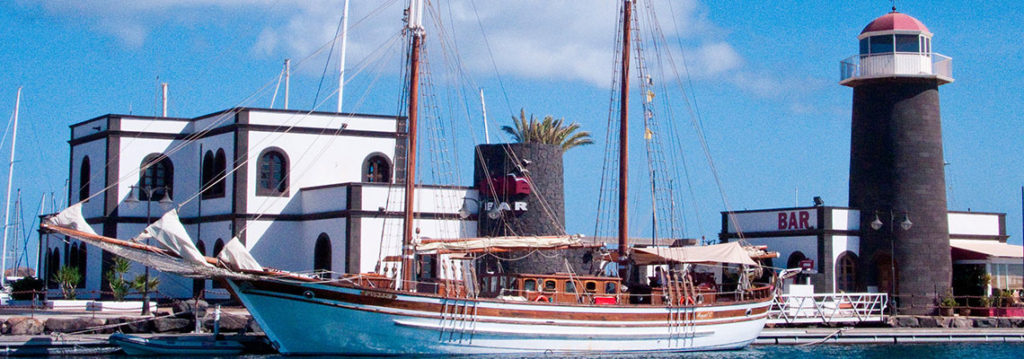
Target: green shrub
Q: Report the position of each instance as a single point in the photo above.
(67, 278)
(21, 289)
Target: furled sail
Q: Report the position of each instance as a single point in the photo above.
(72, 218)
(471, 244)
(71, 223)
(171, 234)
(235, 256)
(731, 252)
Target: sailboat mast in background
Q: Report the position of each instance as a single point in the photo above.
(7, 203)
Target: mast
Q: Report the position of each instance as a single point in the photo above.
(341, 56)
(627, 14)
(7, 204)
(416, 30)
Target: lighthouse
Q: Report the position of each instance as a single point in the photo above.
(897, 180)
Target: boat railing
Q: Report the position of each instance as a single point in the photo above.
(654, 298)
(828, 308)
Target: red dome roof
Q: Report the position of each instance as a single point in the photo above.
(895, 21)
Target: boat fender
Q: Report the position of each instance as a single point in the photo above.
(541, 298)
(700, 299)
(688, 300)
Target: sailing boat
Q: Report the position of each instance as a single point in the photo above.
(475, 311)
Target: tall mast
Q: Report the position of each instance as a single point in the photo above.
(627, 14)
(415, 28)
(341, 55)
(7, 204)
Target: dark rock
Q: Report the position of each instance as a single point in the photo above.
(907, 322)
(68, 325)
(228, 322)
(1017, 322)
(985, 322)
(24, 326)
(1005, 323)
(132, 324)
(164, 325)
(928, 322)
(961, 323)
(187, 308)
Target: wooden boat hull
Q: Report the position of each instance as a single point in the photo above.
(318, 318)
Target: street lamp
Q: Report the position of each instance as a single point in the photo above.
(905, 225)
(165, 202)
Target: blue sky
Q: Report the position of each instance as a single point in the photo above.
(764, 76)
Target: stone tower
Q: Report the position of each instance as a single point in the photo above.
(897, 179)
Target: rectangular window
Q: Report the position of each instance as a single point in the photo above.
(907, 43)
(864, 46)
(881, 44)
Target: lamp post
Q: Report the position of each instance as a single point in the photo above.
(165, 202)
(905, 225)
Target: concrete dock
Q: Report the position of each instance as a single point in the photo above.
(807, 336)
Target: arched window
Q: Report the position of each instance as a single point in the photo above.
(206, 175)
(794, 259)
(377, 168)
(54, 263)
(322, 254)
(156, 173)
(273, 173)
(83, 264)
(220, 165)
(73, 256)
(84, 176)
(198, 285)
(213, 174)
(217, 247)
(846, 272)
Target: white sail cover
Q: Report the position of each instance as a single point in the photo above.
(72, 218)
(236, 257)
(171, 234)
(731, 252)
(500, 243)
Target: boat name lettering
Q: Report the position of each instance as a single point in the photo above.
(378, 295)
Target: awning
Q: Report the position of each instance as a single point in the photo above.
(988, 248)
(731, 252)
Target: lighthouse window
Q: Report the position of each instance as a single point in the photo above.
(880, 44)
(907, 43)
(864, 46)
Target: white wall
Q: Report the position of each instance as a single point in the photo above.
(973, 224)
(775, 220)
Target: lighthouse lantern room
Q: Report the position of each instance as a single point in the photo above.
(895, 45)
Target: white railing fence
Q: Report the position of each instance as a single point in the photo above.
(895, 64)
(828, 308)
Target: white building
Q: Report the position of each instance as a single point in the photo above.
(304, 191)
(829, 237)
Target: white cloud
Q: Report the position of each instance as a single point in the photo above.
(538, 39)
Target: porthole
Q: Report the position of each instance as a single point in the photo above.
(309, 295)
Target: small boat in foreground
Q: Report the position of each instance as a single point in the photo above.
(176, 345)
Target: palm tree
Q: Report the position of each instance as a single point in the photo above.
(549, 131)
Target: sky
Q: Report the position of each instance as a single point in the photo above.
(763, 77)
